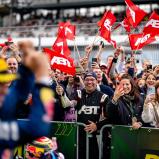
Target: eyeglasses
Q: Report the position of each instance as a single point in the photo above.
(87, 80)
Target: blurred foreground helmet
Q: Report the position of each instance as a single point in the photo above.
(42, 148)
(5, 76)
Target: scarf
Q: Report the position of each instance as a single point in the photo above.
(129, 101)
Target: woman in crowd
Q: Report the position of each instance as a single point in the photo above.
(126, 106)
(150, 83)
(74, 83)
(150, 112)
(141, 85)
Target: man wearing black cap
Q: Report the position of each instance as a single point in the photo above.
(91, 106)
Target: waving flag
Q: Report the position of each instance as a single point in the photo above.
(105, 25)
(138, 41)
(61, 62)
(61, 46)
(134, 13)
(68, 30)
(152, 26)
(2, 45)
(125, 23)
(9, 39)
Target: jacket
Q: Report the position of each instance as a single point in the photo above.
(106, 90)
(91, 107)
(15, 132)
(149, 115)
(121, 114)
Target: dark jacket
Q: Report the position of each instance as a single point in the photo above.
(59, 110)
(20, 131)
(91, 106)
(106, 90)
(120, 113)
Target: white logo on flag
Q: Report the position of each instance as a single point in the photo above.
(154, 23)
(142, 40)
(60, 61)
(60, 44)
(68, 30)
(107, 24)
(131, 12)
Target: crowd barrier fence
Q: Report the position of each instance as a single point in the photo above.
(126, 143)
(66, 134)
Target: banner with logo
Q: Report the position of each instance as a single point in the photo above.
(134, 144)
(65, 135)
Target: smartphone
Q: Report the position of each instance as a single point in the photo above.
(94, 60)
(150, 90)
(137, 61)
(76, 79)
(149, 67)
(102, 43)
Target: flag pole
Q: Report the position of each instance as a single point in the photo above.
(61, 97)
(77, 49)
(74, 50)
(93, 43)
(79, 57)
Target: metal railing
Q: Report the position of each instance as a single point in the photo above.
(85, 29)
(77, 124)
(115, 131)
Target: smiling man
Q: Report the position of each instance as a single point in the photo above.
(12, 64)
(90, 105)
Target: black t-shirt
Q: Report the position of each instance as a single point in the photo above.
(90, 106)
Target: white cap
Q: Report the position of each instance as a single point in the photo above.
(103, 64)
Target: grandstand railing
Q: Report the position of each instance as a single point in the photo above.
(85, 29)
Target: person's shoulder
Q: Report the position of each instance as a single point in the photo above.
(107, 90)
(101, 94)
(105, 87)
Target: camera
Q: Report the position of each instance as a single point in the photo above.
(94, 60)
(8, 43)
(76, 79)
(149, 67)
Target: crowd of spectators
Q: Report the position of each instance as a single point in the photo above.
(104, 93)
(46, 26)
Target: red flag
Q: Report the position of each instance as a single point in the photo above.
(107, 20)
(9, 39)
(107, 36)
(137, 41)
(125, 23)
(105, 25)
(134, 13)
(61, 46)
(2, 45)
(61, 62)
(152, 25)
(68, 30)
